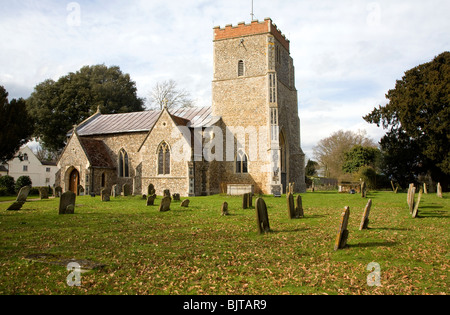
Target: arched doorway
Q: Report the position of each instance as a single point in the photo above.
(74, 181)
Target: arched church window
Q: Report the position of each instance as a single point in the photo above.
(241, 163)
(240, 68)
(124, 169)
(164, 159)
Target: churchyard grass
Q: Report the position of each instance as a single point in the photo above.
(196, 250)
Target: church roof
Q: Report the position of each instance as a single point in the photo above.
(97, 153)
(144, 121)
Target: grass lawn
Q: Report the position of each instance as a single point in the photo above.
(197, 251)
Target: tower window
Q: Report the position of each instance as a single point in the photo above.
(240, 68)
(164, 159)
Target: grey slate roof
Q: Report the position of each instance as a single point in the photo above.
(143, 121)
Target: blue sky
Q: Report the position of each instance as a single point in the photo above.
(347, 53)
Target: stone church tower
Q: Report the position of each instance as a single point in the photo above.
(254, 90)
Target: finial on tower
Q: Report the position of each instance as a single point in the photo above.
(252, 14)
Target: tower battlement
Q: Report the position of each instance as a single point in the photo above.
(254, 28)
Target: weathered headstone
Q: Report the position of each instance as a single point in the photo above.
(342, 236)
(415, 213)
(225, 209)
(151, 200)
(299, 209)
(291, 206)
(363, 190)
(245, 201)
(151, 190)
(165, 204)
(249, 200)
(439, 190)
(106, 195)
(176, 197)
(276, 190)
(365, 218)
(126, 190)
(23, 194)
(185, 203)
(262, 216)
(166, 193)
(425, 189)
(43, 193)
(67, 203)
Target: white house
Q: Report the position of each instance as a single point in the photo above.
(41, 173)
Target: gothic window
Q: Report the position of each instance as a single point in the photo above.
(103, 180)
(124, 169)
(240, 68)
(241, 163)
(272, 88)
(274, 123)
(164, 159)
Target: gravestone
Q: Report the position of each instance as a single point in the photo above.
(225, 209)
(23, 194)
(342, 236)
(67, 203)
(425, 189)
(43, 193)
(415, 213)
(185, 203)
(166, 193)
(80, 190)
(126, 190)
(114, 191)
(276, 190)
(245, 201)
(363, 190)
(262, 216)
(176, 197)
(299, 209)
(165, 204)
(151, 200)
(106, 195)
(249, 200)
(365, 219)
(439, 190)
(58, 192)
(151, 190)
(291, 206)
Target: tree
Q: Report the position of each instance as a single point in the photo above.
(7, 183)
(419, 109)
(16, 126)
(360, 156)
(311, 168)
(58, 106)
(23, 181)
(167, 93)
(330, 152)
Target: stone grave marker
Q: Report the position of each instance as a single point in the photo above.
(165, 204)
(23, 194)
(245, 201)
(185, 203)
(415, 213)
(114, 191)
(299, 209)
(439, 190)
(262, 216)
(342, 236)
(291, 206)
(106, 195)
(151, 190)
(225, 209)
(276, 190)
(151, 200)
(80, 190)
(176, 197)
(67, 203)
(363, 190)
(43, 193)
(167, 193)
(126, 190)
(410, 197)
(425, 189)
(365, 218)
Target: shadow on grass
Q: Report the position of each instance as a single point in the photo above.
(289, 231)
(373, 244)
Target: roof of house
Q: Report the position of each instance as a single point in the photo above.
(144, 121)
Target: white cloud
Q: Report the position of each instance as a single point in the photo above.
(347, 53)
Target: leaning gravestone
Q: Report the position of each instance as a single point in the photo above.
(176, 197)
(299, 209)
(67, 203)
(21, 199)
(165, 204)
(225, 209)
(342, 236)
(262, 216)
(365, 219)
(106, 195)
(291, 206)
(151, 200)
(415, 213)
(185, 203)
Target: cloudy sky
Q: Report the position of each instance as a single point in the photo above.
(347, 53)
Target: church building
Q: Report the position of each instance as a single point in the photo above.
(249, 139)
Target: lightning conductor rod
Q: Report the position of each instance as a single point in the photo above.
(252, 14)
